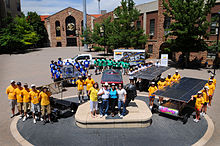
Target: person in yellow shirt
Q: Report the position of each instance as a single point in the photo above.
(205, 93)
(89, 83)
(151, 91)
(19, 98)
(45, 104)
(11, 97)
(211, 86)
(35, 106)
(212, 78)
(161, 84)
(169, 79)
(198, 105)
(93, 93)
(80, 88)
(176, 77)
(26, 100)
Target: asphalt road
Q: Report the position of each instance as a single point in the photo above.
(164, 131)
(33, 67)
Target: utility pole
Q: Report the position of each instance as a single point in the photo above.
(84, 23)
(99, 9)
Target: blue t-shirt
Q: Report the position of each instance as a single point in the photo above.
(53, 71)
(113, 94)
(58, 74)
(67, 63)
(86, 63)
(83, 72)
(76, 65)
(60, 63)
(51, 65)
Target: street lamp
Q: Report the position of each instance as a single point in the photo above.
(102, 32)
(77, 35)
(216, 51)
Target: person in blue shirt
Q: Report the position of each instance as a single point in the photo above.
(58, 75)
(84, 73)
(87, 64)
(113, 99)
(53, 72)
(76, 64)
(68, 63)
(51, 64)
(60, 62)
(81, 66)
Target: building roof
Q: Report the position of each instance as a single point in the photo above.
(95, 15)
(43, 17)
(148, 7)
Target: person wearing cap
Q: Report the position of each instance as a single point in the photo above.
(169, 79)
(89, 83)
(198, 105)
(35, 102)
(113, 96)
(87, 64)
(11, 97)
(213, 79)
(211, 86)
(80, 87)
(161, 84)
(19, 98)
(93, 93)
(205, 93)
(176, 77)
(26, 100)
(44, 97)
(60, 62)
(122, 95)
(151, 91)
(104, 93)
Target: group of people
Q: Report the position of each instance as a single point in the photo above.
(202, 99)
(109, 96)
(29, 100)
(103, 64)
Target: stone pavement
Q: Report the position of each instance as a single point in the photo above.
(34, 68)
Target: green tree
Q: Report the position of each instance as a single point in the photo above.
(38, 25)
(190, 25)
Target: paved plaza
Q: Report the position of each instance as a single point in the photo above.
(33, 67)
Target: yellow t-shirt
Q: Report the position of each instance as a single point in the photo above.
(89, 83)
(25, 94)
(176, 77)
(80, 84)
(94, 94)
(211, 88)
(151, 90)
(161, 85)
(169, 80)
(214, 81)
(199, 102)
(34, 96)
(10, 92)
(45, 98)
(205, 96)
(18, 95)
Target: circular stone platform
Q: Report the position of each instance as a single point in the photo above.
(139, 115)
(164, 130)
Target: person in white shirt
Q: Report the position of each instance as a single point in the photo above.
(104, 93)
(157, 63)
(122, 94)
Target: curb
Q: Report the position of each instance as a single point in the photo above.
(14, 131)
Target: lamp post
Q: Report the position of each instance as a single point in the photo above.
(77, 35)
(84, 23)
(102, 31)
(216, 51)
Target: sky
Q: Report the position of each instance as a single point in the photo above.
(48, 7)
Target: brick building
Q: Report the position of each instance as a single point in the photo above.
(154, 24)
(65, 27)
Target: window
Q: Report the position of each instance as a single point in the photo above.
(166, 25)
(7, 3)
(57, 27)
(138, 24)
(18, 6)
(152, 27)
(214, 24)
(150, 48)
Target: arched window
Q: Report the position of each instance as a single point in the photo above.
(70, 26)
(57, 28)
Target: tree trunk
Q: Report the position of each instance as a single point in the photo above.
(187, 55)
